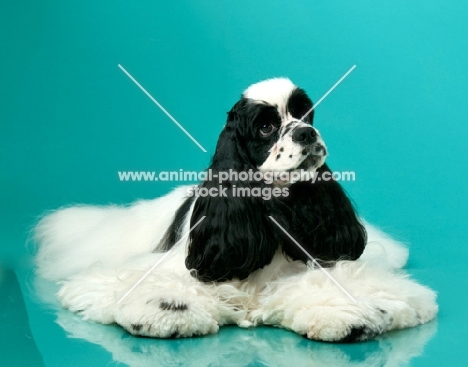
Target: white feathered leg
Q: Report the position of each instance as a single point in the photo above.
(310, 304)
(169, 302)
(306, 301)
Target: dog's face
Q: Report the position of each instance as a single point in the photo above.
(276, 128)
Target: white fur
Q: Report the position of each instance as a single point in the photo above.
(275, 91)
(71, 239)
(98, 253)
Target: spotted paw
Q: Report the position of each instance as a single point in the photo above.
(163, 318)
(341, 324)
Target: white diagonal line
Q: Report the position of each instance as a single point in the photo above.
(329, 91)
(315, 261)
(161, 107)
(160, 261)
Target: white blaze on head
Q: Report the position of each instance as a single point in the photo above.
(275, 92)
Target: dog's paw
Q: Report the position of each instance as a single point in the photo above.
(91, 299)
(341, 324)
(166, 318)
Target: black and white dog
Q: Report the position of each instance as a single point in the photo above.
(236, 265)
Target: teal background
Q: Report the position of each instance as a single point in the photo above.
(70, 119)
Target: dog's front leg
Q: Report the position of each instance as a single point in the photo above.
(168, 302)
(368, 301)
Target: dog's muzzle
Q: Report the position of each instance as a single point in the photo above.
(299, 148)
(309, 138)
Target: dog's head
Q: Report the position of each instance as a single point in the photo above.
(272, 127)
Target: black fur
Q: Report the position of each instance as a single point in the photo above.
(299, 104)
(136, 327)
(172, 306)
(322, 219)
(173, 233)
(359, 333)
(237, 237)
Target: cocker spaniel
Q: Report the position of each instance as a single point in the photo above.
(258, 242)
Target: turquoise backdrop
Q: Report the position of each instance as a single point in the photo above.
(70, 119)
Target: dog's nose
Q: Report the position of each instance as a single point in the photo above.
(304, 135)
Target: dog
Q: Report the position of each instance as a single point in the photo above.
(183, 265)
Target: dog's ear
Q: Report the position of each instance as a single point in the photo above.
(235, 238)
(322, 219)
(230, 151)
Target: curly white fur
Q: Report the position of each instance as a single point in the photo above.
(99, 253)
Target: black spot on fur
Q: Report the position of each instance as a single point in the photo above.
(136, 327)
(358, 333)
(286, 129)
(171, 306)
(319, 149)
(299, 104)
(278, 156)
(281, 150)
(290, 156)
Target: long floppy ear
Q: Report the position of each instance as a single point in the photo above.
(235, 238)
(322, 219)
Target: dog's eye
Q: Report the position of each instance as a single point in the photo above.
(267, 129)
